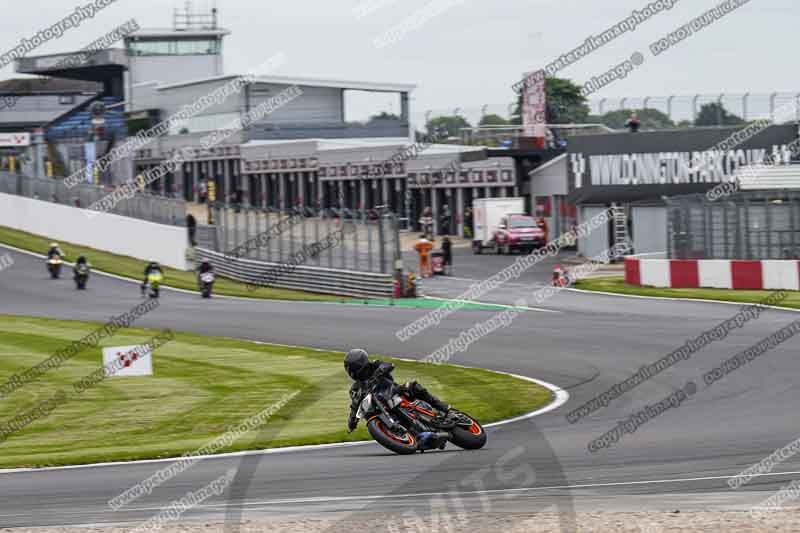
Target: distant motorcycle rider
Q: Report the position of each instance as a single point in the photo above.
(54, 250)
(151, 268)
(204, 268)
(366, 373)
(81, 261)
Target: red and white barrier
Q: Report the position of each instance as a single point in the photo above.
(713, 273)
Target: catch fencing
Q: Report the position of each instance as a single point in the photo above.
(361, 241)
(759, 225)
(142, 205)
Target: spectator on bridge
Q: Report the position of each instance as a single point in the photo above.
(633, 123)
(423, 248)
(191, 226)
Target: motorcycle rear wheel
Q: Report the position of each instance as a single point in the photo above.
(403, 445)
(469, 438)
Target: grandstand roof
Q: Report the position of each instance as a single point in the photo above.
(305, 81)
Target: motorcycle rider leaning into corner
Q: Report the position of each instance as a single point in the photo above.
(55, 250)
(151, 267)
(366, 373)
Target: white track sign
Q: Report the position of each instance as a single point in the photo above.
(128, 361)
(15, 139)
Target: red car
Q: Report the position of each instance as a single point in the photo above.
(518, 232)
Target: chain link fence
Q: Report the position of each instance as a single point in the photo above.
(747, 225)
(679, 107)
(143, 206)
(362, 241)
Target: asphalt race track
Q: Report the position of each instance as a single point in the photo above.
(680, 460)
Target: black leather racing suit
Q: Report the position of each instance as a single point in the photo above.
(379, 369)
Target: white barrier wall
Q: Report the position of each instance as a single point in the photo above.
(715, 273)
(657, 273)
(102, 231)
(780, 275)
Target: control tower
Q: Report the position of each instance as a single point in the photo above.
(191, 49)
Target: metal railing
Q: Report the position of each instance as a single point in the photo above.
(143, 206)
(360, 241)
(679, 107)
(746, 225)
(748, 106)
(497, 135)
(301, 277)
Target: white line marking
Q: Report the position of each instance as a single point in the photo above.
(366, 498)
(502, 306)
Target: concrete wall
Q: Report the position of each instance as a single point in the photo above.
(111, 233)
(649, 230)
(550, 179)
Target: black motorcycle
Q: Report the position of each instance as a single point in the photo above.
(206, 284)
(81, 276)
(406, 427)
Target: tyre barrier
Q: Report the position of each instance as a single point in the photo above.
(300, 277)
(713, 273)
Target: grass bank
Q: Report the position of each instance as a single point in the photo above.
(202, 386)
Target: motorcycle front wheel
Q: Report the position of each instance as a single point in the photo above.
(404, 444)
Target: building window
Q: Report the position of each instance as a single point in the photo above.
(174, 47)
(66, 99)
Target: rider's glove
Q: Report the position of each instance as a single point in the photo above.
(352, 423)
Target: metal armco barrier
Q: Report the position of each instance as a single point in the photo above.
(301, 277)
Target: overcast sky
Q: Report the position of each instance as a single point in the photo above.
(471, 52)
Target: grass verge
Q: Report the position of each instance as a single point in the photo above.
(130, 267)
(616, 284)
(202, 386)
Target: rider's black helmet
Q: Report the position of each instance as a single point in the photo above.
(355, 362)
